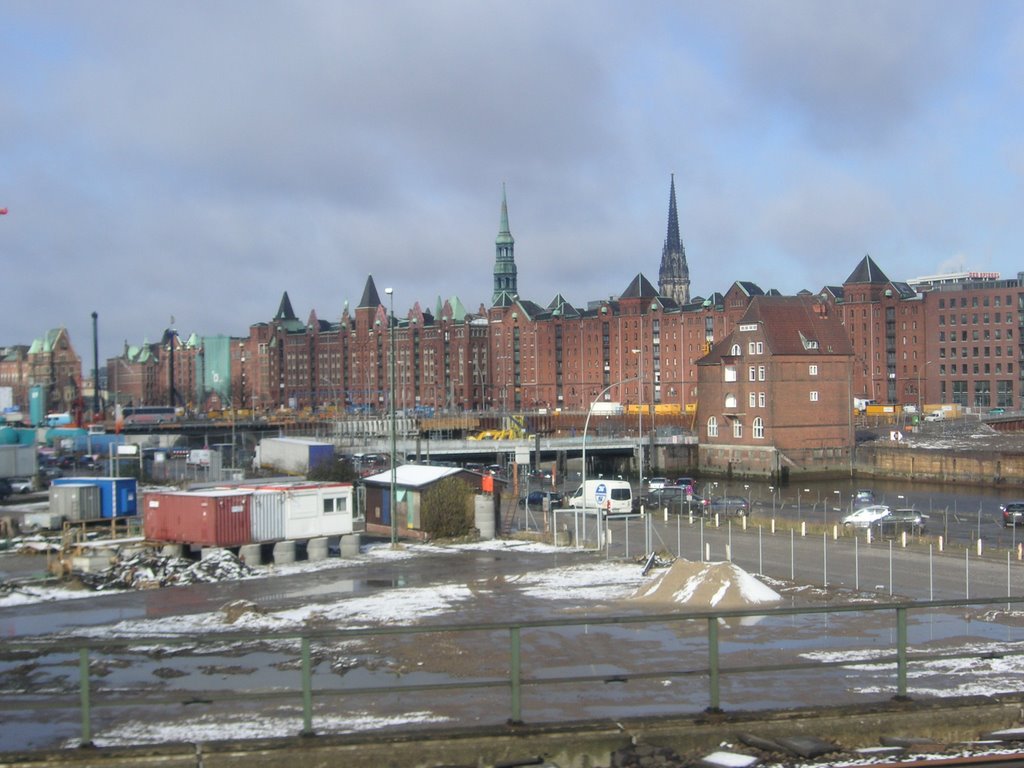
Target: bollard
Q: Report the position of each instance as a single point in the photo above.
(717, 522)
(773, 526)
(666, 514)
(868, 532)
(979, 546)
(728, 552)
(1020, 551)
(835, 533)
(707, 551)
(940, 544)
(903, 539)
(803, 528)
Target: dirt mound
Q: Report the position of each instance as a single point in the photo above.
(707, 585)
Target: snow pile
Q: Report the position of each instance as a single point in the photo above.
(137, 570)
(707, 585)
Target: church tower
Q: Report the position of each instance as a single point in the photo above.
(674, 275)
(504, 263)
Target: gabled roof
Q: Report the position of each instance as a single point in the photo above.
(413, 475)
(559, 306)
(285, 316)
(792, 325)
(748, 288)
(904, 290)
(867, 272)
(639, 288)
(504, 299)
(370, 299)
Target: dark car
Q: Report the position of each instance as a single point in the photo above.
(5, 489)
(1013, 513)
(729, 505)
(899, 521)
(535, 500)
(674, 498)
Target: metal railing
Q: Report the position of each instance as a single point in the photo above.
(90, 697)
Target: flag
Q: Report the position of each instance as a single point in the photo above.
(118, 419)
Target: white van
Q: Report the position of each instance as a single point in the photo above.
(615, 497)
(936, 416)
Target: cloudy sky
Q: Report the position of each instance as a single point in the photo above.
(196, 160)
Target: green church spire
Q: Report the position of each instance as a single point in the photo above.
(505, 275)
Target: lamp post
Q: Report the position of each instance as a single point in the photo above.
(640, 417)
(586, 425)
(920, 396)
(391, 410)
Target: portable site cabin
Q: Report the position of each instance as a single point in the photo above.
(412, 481)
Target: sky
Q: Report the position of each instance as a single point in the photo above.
(196, 160)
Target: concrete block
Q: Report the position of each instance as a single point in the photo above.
(251, 554)
(349, 544)
(173, 550)
(284, 552)
(316, 549)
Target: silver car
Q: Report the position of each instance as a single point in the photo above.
(867, 516)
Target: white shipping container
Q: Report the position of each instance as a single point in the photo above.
(18, 461)
(293, 454)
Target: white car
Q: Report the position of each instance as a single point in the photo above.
(657, 483)
(21, 484)
(865, 517)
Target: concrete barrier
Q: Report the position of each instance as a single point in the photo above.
(251, 554)
(316, 549)
(350, 544)
(284, 552)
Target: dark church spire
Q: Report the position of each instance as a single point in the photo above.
(674, 275)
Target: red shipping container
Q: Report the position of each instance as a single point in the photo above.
(205, 519)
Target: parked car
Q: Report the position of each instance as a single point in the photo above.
(5, 489)
(686, 482)
(22, 484)
(901, 520)
(863, 497)
(865, 517)
(1013, 513)
(535, 499)
(996, 411)
(728, 505)
(674, 498)
(656, 483)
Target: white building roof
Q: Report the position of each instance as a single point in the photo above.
(413, 475)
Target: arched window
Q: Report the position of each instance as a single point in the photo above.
(735, 351)
(759, 428)
(712, 427)
(730, 400)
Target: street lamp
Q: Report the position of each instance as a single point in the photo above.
(586, 425)
(640, 416)
(391, 410)
(920, 397)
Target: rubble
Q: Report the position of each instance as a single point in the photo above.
(147, 569)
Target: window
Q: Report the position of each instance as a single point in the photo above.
(760, 347)
(814, 396)
(730, 400)
(760, 373)
(729, 373)
(760, 400)
(737, 428)
(759, 428)
(751, 346)
(752, 373)
(335, 504)
(712, 427)
(812, 370)
(735, 351)
(753, 399)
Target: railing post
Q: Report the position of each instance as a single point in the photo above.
(83, 693)
(901, 653)
(307, 689)
(514, 674)
(713, 664)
